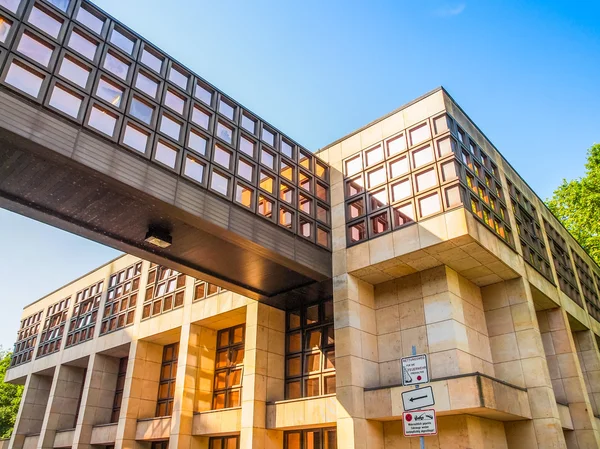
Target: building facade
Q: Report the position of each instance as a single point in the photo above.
(435, 241)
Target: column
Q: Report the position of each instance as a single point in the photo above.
(567, 377)
(589, 360)
(32, 409)
(263, 374)
(519, 358)
(97, 398)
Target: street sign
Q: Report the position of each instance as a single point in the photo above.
(415, 370)
(418, 399)
(419, 423)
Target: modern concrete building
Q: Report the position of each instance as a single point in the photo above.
(272, 292)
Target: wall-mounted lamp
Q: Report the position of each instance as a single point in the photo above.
(158, 237)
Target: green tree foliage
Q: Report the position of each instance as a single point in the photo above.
(577, 204)
(10, 397)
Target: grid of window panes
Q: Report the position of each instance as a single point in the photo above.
(85, 314)
(310, 351)
(481, 178)
(529, 232)
(405, 178)
(203, 289)
(311, 439)
(588, 289)
(229, 442)
(168, 375)
(121, 300)
(165, 291)
(118, 399)
(84, 65)
(595, 310)
(26, 339)
(54, 328)
(229, 368)
(160, 444)
(562, 263)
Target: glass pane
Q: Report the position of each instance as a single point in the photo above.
(225, 132)
(268, 137)
(287, 149)
(247, 146)
(312, 440)
(175, 102)
(141, 110)
(243, 195)
(65, 101)
(305, 204)
(135, 138)
(312, 363)
(294, 319)
(222, 359)
(294, 342)
(170, 127)
(74, 71)
(426, 180)
(83, 45)
(219, 401)
(286, 171)
(200, 117)
(293, 441)
(311, 387)
(293, 390)
(5, 26)
(90, 20)
(116, 66)
(35, 49)
(237, 356)
(420, 134)
(222, 156)
(195, 170)
(330, 360)
(178, 78)
(197, 143)
(313, 339)
(122, 41)
(45, 22)
(152, 61)
(294, 366)
(246, 170)
(248, 124)
(146, 85)
(11, 5)
(329, 387)
(221, 380)
(24, 79)
(423, 156)
(203, 94)
(235, 378)
(102, 121)
(226, 109)
(110, 92)
(430, 205)
(265, 207)
(330, 439)
(166, 154)
(219, 183)
(312, 314)
(285, 218)
(267, 159)
(234, 399)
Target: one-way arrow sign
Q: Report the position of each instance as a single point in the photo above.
(418, 399)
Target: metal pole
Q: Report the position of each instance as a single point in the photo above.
(414, 352)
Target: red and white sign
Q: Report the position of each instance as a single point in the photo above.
(415, 370)
(419, 423)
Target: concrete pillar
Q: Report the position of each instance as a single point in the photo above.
(263, 378)
(63, 403)
(589, 360)
(32, 409)
(97, 398)
(519, 358)
(567, 377)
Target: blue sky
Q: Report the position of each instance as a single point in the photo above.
(525, 71)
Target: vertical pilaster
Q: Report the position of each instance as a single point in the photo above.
(32, 409)
(263, 374)
(589, 360)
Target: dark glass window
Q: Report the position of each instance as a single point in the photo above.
(116, 411)
(229, 368)
(122, 298)
(231, 442)
(311, 439)
(168, 375)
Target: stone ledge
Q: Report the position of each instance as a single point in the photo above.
(217, 422)
(64, 438)
(305, 412)
(473, 394)
(153, 429)
(104, 434)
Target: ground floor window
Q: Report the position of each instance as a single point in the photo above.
(231, 442)
(311, 439)
(160, 444)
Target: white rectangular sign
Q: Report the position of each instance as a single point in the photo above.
(418, 399)
(415, 370)
(419, 423)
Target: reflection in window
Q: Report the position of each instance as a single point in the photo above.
(74, 71)
(123, 42)
(136, 138)
(146, 84)
(168, 376)
(110, 92)
(243, 195)
(353, 165)
(225, 132)
(249, 124)
(322, 213)
(380, 223)
(36, 49)
(197, 142)
(229, 367)
(222, 157)
(355, 186)
(423, 156)
(401, 190)
(245, 170)
(286, 171)
(399, 167)
(5, 26)
(200, 117)
(11, 5)
(426, 180)
(287, 149)
(267, 158)
(102, 120)
(286, 218)
(267, 182)
(170, 127)
(403, 214)
(419, 134)
(116, 66)
(194, 168)
(265, 206)
(396, 145)
(356, 208)
(268, 137)
(430, 205)
(203, 94)
(305, 204)
(247, 146)
(24, 79)
(141, 110)
(219, 183)
(174, 101)
(304, 160)
(90, 20)
(178, 78)
(83, 45)
(305, 228)
(323, 237)
(152, 61)
(65, 101)
(224, 442)
(166, 154)
(46, 22)
(358, 232)
(286, 193)
(321, 170)
(226, 109)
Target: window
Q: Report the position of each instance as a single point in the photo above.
(166, 154)
(380, 223)
(249, 124)
(305, 204)
(425, 180)
(227, 109)
(265, 206)
(304, 182)
(422, 156)
(24, 78)
(430, 205)
(441, 124)
(321, 170)
(305, 160)
(396, 145)
(268, 137)
(267, 182)
(174, 101)
(373, 156)
(45, 21)
(154, 445)
(222, 156)
(247, 146)
(287, 149)
(90, 20)
(103, 120)
(219, 183)
(146, 84)
(5, 26)
(286, 171)
(116, 65)
(74, 71)
(170, 127)
(85, 314)
(401, 190)
(119, 39)
(376, 177)
(83, 45)
(323, 237)
(203, 94)
(200, 117)
(197, 142)
(178, 78)
(245, 170)
(224, 443)
(151, 60)
(311, 439)
(141, 110)
(168, 375)
(286, 218)
(135, 138)
(165, 291)
(116, 411)
(357, 232)
(35, 48)
(267, 159)
(26, 339)
(122, 298)
(286, 193)
(446, 146)
(225, 132)
(194, 168)
(321, 191)
(356, 208)
(11, 5)
(305, 228)
(229, 368)
(66, 101)
(403, 215)
(54, 328)
(310, 351)
(399, 167)
(419, 134)
(353, 165)
(110, 92)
